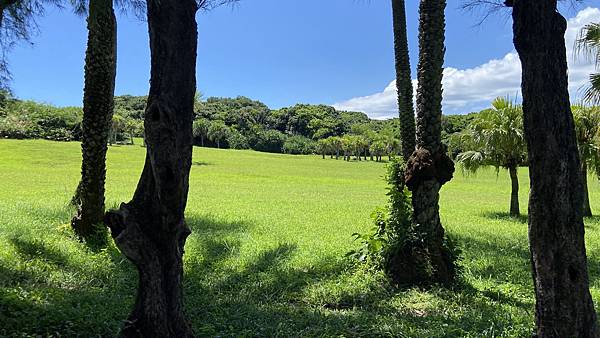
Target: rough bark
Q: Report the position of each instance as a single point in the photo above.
(403, 80)
(98, 97)
(429, 167)
(564, 306)
(514, 194)
(587, 209)
(151, 230)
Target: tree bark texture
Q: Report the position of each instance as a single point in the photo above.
(514, 194)
(403, 79)
(564, 306)
(98, 103)
(151, 230)
(429, 167)
(587, 209)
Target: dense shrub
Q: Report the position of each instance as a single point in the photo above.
(299, 145)
(27, 119)
(270, 141)
(236, 140)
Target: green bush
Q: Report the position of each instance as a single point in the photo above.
(299, 145)
(269, 141)
(236, 140)
(28, 119)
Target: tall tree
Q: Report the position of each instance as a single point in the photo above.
(495, 137)
(403, 79)
(150, 230)
(98, 102)
(564, 306)
(587, 129)
(429, 167)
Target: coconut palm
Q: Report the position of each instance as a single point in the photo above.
(588, 44)
(403, 79)
(587, 129)
(496, 138)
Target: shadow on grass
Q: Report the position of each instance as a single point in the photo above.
(201, 163)
(505, 216)
(69, 292)
(233, 288)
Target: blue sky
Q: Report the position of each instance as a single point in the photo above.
(281, 52)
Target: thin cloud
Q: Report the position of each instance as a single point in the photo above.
(473, 89)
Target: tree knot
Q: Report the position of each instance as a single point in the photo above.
(423, 166)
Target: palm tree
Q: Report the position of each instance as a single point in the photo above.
(337, 145)
(496, 139)
(429, 167)
(587, 129)
(217, 131)
(588, 43)
(403, 79)
(100, 72)
(200, 129)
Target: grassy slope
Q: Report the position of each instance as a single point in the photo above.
(266, 255)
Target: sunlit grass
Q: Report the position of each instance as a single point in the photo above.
(266, 257)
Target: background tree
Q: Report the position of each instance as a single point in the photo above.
(403, 79)
(100, 73)
(378, 149)
(564, 306)
(587, 129)
(217, 132)
(200, 129)
(429, 167)
(496, 137)
(588, 43)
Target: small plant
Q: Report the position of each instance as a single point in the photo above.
(395, 244)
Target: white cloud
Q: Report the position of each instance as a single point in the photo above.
(467, 90)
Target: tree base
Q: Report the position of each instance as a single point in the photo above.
(158, 310)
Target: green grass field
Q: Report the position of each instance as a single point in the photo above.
(266, 257)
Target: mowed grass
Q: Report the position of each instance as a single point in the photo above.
(266, 257)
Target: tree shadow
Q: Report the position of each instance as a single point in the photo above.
(505, 216)
(201, 163)
(67, 295)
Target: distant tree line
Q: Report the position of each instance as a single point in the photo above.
(232, 123)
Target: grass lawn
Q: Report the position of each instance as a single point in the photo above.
(266, 257)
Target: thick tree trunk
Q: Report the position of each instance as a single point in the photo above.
(564, 306)
(150, 230)
(514, 194)
(429, 167)
(100, 72)
(403, 80)
(587, 210)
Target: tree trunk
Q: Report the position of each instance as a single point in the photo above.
(151, 230)
(403, 80)
(337, 154)
(98, 102)
(514, 195)
(587, 210)
(429, 167)
(202, 141)
(564, 306)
